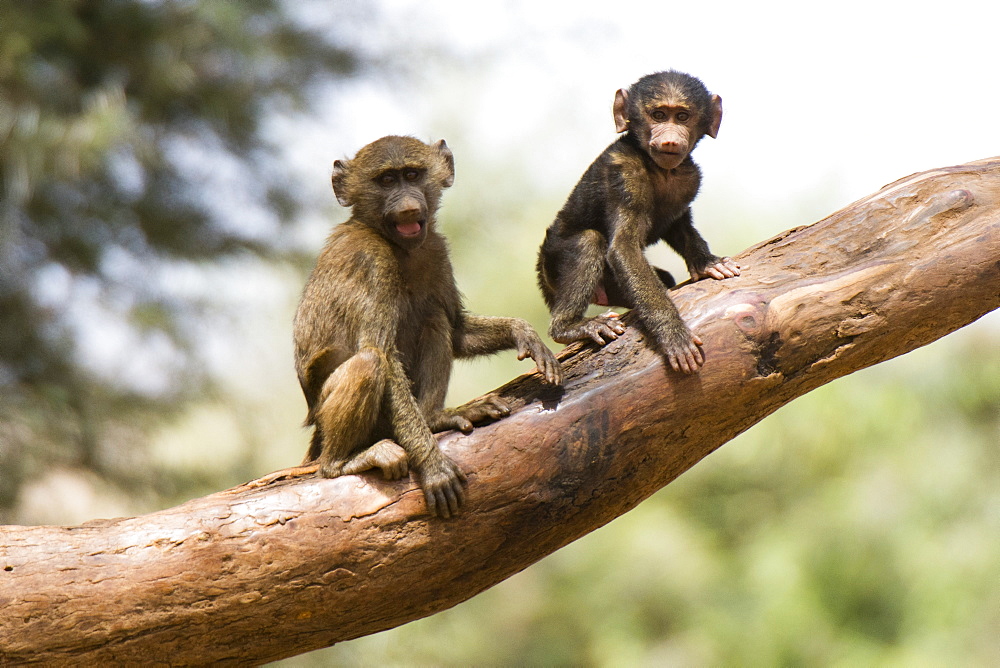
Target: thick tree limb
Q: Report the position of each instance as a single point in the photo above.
(265, 571)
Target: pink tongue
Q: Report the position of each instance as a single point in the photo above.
(408, 229)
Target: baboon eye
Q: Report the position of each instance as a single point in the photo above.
(411, 174)
(386, 180)
(683, 116)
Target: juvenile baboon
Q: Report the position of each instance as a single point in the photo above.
(381, 319)
(638, 191)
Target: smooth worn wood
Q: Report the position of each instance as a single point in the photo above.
(281, 566)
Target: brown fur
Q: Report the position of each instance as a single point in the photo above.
(381, 319)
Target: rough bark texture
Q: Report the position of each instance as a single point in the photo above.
(266, 571)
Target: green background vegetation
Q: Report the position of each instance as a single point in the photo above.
(162, 202)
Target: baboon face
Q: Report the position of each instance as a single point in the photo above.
(394, 185)
(668, 113)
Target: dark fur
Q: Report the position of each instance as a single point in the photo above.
(624, 202)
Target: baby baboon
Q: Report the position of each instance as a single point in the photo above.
(637, 192)
(381, 319)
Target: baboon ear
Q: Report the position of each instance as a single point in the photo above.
(449, 161)
(713, 128)
(339, 181)
(620, 110)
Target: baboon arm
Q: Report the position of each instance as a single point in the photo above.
(433, 368)
(684, 238)
(635, 276)
(483, 335)
(408, 422)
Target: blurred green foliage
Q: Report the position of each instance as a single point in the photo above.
(134, 149)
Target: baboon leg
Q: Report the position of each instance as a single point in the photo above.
(581, 285)
(348, 409)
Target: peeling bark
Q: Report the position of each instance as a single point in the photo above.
(281, 566)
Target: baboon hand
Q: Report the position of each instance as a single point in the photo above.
(464, 418)
(444, 486)
(601, 329)
(546, 362)
(490, 407)
(683, 353)
(719, 269)
(449, 419)
(331, 468)
(604, 328)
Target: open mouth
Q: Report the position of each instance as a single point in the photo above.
(411, 229)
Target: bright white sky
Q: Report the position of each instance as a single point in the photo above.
(823, 100)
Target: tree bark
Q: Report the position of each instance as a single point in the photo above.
(282, 566)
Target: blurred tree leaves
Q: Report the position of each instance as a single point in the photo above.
(134, 149)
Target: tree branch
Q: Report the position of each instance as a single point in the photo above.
(281, 566)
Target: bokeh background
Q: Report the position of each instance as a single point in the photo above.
(164, 168)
